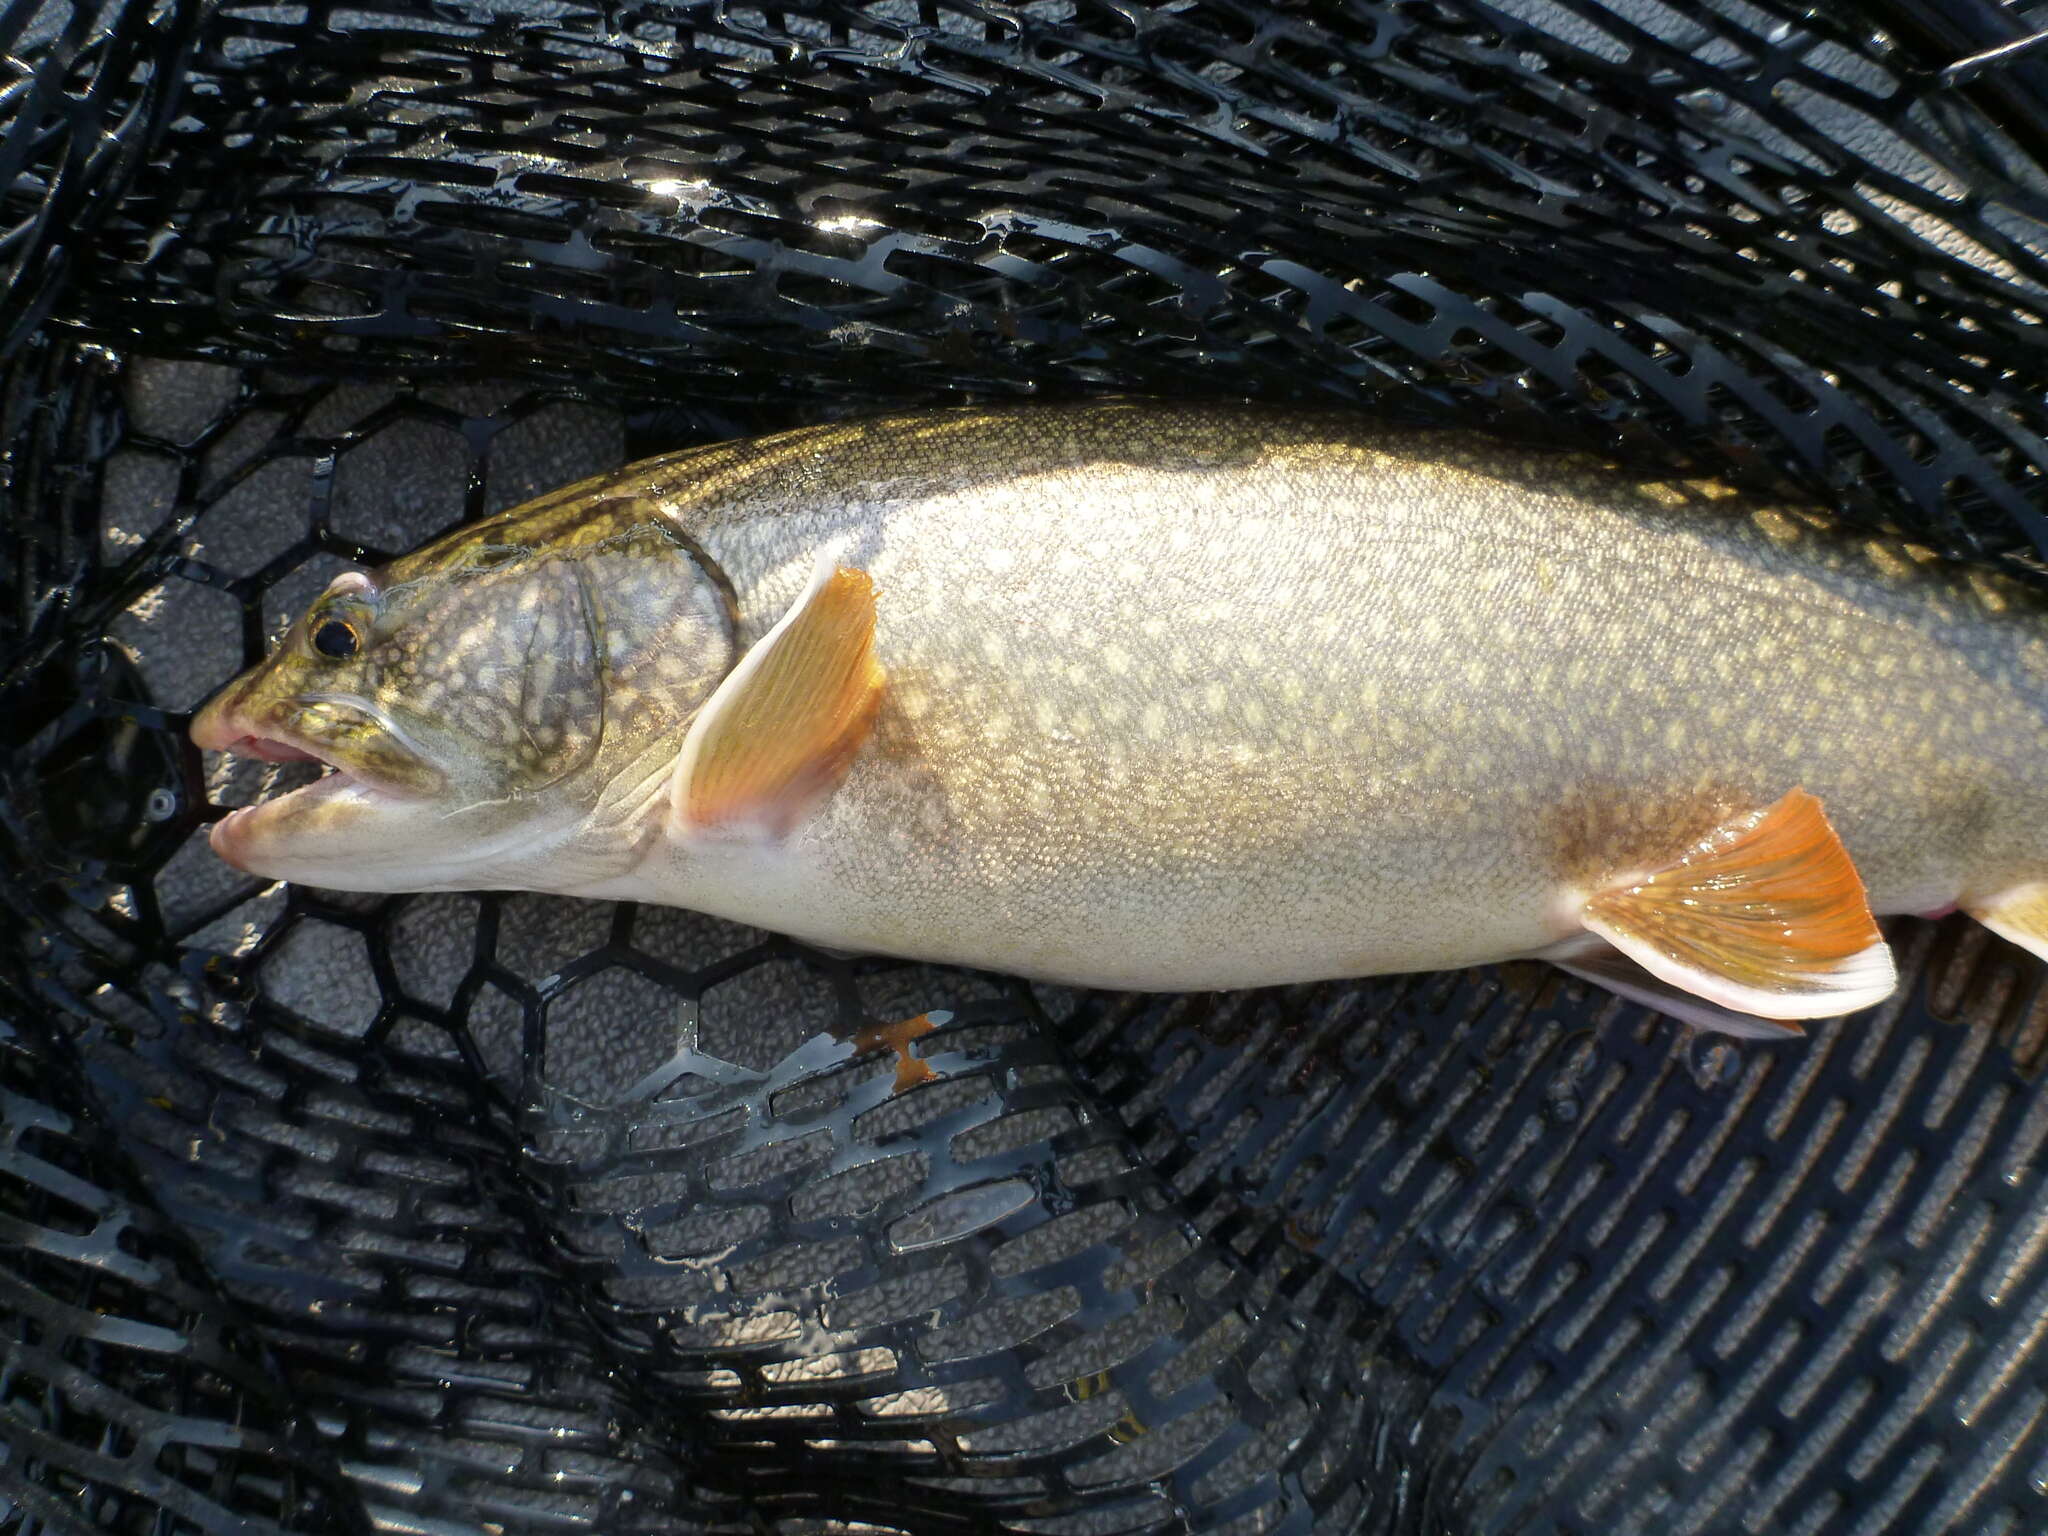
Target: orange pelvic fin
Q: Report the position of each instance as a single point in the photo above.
(1767, 916)
(776, 737)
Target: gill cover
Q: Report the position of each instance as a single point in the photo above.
(539, 659)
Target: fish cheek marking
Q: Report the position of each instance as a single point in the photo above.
(641, 514)
(664, 630)
(561, 691)
(504, 657)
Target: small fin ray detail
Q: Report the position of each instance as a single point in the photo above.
(1768, 916)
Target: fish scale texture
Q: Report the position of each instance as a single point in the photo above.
(464, 1214)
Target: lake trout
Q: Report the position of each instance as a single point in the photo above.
(1177, 697)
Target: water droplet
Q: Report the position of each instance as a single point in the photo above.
(1715, 1063)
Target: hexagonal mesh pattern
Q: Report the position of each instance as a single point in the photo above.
(460, 1214)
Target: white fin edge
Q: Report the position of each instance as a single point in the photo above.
(735, 683)
(1594, 960)
(1859, 981)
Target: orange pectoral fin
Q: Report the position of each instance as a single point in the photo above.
(2020, 915)
(1767, 916)
(777, 736)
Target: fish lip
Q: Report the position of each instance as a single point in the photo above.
(239, 736)
(227, 731)
(227, 836)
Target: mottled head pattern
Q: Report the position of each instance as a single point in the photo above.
(501, 657)
(501, 677)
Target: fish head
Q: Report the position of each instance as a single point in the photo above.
(496, 710)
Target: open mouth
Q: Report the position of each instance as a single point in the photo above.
(232, 737)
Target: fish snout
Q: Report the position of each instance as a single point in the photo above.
(218, 726)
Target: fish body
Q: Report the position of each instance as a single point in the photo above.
(1177, 697)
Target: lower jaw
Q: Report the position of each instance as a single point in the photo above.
(232, 835)
(228, 838)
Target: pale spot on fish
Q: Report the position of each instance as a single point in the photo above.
(1153, 722)
(1776, 526)
(997, 558)
(1887, 560)
(1990, 591)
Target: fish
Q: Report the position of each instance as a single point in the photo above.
(1181, 697)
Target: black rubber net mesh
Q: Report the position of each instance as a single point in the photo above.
(461, 1214)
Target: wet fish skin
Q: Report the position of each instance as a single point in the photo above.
(1177, 696)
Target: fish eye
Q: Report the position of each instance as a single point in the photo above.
(337, 639)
